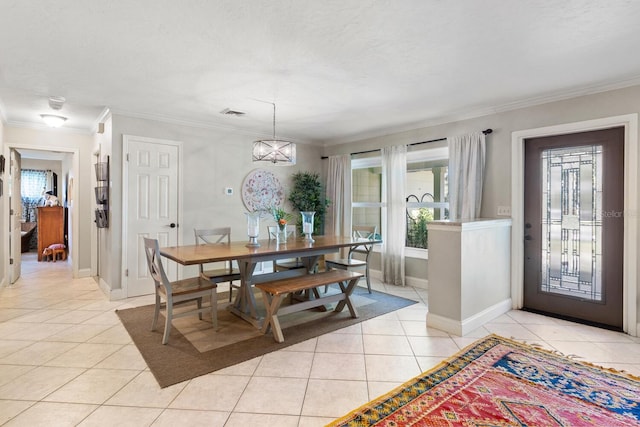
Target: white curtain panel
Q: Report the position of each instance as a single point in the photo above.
(339, 195)
(466, 174)
(394, 172)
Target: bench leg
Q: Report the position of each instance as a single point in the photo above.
(347, 300)
(272, 305)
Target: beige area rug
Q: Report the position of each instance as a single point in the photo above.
(195, 348)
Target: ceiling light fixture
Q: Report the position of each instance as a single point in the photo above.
(276, 151)
(53, 120)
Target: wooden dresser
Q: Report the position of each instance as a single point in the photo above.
(50, 227)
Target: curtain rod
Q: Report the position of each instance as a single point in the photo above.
(486, 132)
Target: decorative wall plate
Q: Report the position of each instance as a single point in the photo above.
(261, 190)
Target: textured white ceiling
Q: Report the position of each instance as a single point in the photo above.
(337, 70)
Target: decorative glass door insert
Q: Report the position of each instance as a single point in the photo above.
(572, 222)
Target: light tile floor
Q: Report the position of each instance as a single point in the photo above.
(65, 359)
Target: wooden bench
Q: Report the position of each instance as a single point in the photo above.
(274, 291)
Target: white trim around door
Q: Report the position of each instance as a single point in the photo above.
(74, 211)
(126, 141)
(631, 212)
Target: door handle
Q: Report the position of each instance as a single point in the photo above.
(173, 225)
(528, 237)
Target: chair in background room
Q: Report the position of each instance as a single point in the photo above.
(180, 291)
(364, 234)
(217, 274)
(282, 265)
(26, 232)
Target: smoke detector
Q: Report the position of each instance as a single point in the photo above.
(56, 102)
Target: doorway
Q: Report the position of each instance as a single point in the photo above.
(631, 204)
(23, 210)
(574, 225)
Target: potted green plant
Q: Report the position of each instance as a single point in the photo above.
(307, 194)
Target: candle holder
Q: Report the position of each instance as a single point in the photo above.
(307, 225)
(253, 229)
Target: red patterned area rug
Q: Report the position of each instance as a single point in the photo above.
(500, 382)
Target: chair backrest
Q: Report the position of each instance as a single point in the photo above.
(213, 236)
(364, 233)
(154, 262)
(273, 229)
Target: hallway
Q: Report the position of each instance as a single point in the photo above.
(65, 359)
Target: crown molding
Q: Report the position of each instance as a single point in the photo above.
(106, 112)
(43, 127)
(467, 114)
(184, 122)
(568, 94)
(210, 126)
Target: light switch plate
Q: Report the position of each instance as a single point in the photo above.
(228, 191)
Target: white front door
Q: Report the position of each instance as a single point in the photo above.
(151, 206)
(15, 217)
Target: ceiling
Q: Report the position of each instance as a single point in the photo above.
(337, 70)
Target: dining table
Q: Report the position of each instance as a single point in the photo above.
(247, 258)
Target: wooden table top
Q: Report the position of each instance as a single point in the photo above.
(199, 254)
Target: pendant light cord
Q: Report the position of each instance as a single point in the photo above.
(274, 120)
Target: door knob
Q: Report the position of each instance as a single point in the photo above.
(173, 225)
(528, 238)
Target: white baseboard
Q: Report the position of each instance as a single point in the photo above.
(85, 272)
(112, 294)
(411, 281)
(444, 324)
(417, 282)
(467, 325)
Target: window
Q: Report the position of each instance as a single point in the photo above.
(32, 185)
(426, 192)
(366, 191)
(427, 195)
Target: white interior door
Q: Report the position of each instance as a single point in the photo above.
(15, 200)
(151, 209)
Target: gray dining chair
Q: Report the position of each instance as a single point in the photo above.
(186, 290)
(365, 234)
(287, 264)
(216, 272)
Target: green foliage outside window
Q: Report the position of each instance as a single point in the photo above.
(417, 228)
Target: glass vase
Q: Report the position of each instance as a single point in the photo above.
(307, 225)
(281, 234)
(253, 229)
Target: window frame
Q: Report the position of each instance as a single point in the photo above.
(413, 156)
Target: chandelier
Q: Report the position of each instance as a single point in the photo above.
(276, 151)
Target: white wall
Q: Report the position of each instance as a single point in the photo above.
(4, 213)
(212, 160)
(497, 186)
